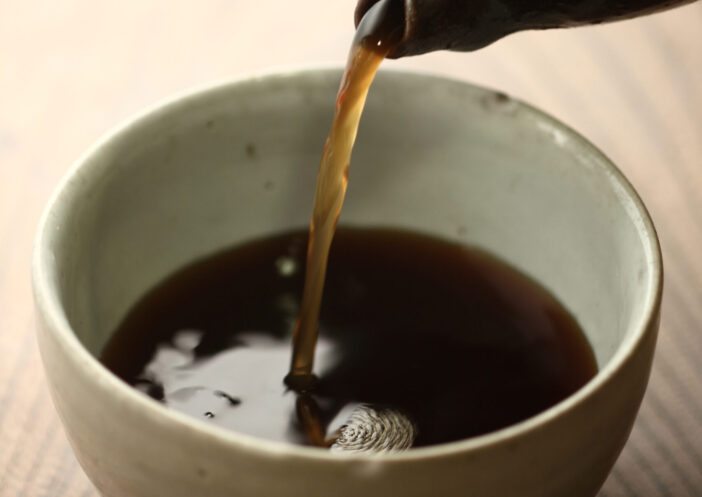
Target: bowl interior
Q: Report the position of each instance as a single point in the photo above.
(442, 157)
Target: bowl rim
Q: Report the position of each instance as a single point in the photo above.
(48, 305)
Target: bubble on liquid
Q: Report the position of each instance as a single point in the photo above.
(286, 266)
(209, 415)
(375, 430)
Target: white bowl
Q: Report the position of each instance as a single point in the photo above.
(236, 161)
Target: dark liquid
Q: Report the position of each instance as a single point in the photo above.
(459, 342)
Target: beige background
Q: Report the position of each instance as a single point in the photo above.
(71, 69)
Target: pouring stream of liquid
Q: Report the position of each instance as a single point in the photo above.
(377, 34)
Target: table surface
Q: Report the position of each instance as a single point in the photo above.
(71, 70)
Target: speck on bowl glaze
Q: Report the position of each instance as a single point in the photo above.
(238, 161)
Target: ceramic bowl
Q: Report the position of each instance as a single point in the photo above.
(237, 161)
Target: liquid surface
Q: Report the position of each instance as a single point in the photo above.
(459, 342)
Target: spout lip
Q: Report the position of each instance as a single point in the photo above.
(463, 26)
(428, 26)
(381, 25)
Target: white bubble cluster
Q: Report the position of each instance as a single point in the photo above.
(375, 430)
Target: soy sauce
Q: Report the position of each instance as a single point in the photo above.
(452, 337)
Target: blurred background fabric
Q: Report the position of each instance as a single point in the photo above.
(72, 69)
